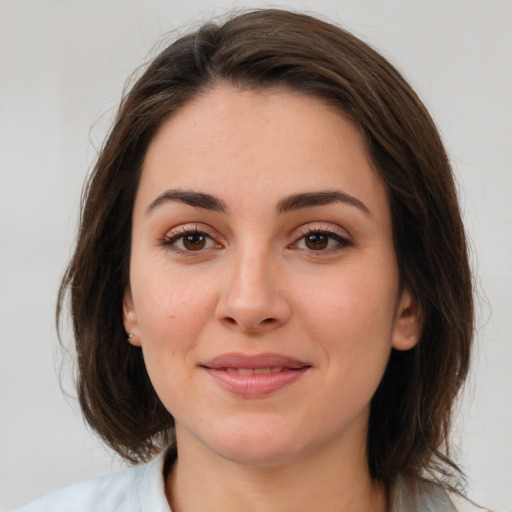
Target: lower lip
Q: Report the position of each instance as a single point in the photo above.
(256, 384)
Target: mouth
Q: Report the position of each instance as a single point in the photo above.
(254, 375)
(254, 371)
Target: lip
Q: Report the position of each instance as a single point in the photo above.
(284, 370)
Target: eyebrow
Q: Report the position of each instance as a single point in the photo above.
(312, 199)
(288, 204)
(192, 198)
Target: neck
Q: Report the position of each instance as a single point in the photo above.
(202, 480)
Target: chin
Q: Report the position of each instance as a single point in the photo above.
(257, 447)
(255, 456)
(263, 448)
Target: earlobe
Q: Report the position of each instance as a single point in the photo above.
(130, 319)
(408, 323)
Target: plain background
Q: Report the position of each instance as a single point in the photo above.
(63, 64)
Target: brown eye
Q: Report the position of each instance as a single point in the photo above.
(194, 242)
(322, 241)
(316, 241)
(190, 241)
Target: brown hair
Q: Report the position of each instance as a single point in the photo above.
(411, 410)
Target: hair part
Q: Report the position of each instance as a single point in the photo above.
(411, 411)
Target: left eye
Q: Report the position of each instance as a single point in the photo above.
(320, 241)
(193, 241)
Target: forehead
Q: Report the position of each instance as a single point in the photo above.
(279, 115)
(259, 142)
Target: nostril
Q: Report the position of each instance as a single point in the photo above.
(229, 320)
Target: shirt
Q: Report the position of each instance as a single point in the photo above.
(142, 489)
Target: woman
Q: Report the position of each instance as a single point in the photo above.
(270, 287)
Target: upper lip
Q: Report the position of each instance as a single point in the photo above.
(263, 360)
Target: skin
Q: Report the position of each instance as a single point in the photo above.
(255, 280)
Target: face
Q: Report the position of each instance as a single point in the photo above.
(264, 288)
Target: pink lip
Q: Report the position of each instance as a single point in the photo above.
(285, 371)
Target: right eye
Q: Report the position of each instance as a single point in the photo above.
(190, 241)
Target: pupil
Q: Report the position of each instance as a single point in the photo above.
(317, 241)
(194, 242)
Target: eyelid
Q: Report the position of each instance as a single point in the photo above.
(191, 227)
(178, 232)
(341, 236)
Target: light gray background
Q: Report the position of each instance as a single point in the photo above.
(63, 64)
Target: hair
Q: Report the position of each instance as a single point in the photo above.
(411, 411)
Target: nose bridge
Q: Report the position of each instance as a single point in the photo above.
(252, 279)
(251, 298)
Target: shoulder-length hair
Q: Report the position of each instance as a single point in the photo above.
(411, 411)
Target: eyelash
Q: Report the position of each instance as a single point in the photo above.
(170, 241)
(341, 241)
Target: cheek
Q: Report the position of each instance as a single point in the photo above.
(171, 309)
(351, 318)
(171, 315)
(353, 305)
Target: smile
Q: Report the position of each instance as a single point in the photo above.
(253, 371)
(255, 375)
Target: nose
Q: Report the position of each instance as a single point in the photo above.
(253, 296)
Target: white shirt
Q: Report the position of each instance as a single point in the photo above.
(138, 489)
(142, 489)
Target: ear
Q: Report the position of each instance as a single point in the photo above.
(408, 322)
(130, 318)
